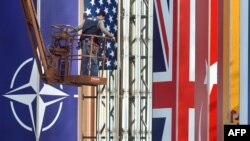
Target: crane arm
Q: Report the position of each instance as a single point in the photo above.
(45, 71)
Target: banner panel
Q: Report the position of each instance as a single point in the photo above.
(164, 70)
(31, 109)
(213, 102)
(186, 67)
(17, 103)
(59, 120)
(201, 71)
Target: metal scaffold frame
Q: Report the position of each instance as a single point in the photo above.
(124, 104)
(108, 108)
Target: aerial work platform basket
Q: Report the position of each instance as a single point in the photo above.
(57, 63)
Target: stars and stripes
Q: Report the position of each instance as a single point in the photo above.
(92, 8)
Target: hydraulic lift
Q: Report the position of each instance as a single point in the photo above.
(55, 62)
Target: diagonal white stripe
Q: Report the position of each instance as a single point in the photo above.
(168, 23)
(167, 114)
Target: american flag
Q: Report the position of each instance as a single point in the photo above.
(92, 8)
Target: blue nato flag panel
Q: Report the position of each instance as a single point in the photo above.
(19, 79)
(65, 128)
(15, 49)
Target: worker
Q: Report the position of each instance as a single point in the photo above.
(92, 26)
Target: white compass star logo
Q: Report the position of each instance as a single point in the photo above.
(16, 95)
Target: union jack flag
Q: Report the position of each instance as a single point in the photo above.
(164, 82)
(173, 84)
(92, 8)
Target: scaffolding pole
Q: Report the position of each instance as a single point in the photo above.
(125, 71)
(150, 69)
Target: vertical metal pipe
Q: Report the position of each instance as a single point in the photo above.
(116, 125)
(112, 106)
(150, 69)
(144, 69)
(99, 114)
(137, 69)
(108, 100)
(125, 71)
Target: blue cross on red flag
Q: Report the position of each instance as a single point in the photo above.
(92, 8)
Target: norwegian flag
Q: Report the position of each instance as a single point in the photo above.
(92, 8)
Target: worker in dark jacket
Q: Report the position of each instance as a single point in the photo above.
(92, 26)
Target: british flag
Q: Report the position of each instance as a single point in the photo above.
(164, 71)
(173, 86)
(92, 8)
